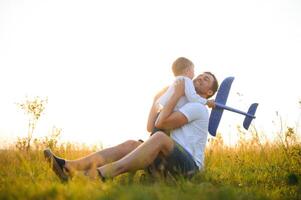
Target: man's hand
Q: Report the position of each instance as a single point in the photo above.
(211, 103)
(159, 94)
(179, 88)
(154, 110)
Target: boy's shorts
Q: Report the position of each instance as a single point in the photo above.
(178, 162)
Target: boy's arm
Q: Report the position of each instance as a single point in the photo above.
(191, 94)
(168, 119)
(154, 110)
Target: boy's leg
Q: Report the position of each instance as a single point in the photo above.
(141, 157)
(155, 129)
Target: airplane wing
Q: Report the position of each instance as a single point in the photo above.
(221, 98)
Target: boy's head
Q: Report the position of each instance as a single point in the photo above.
(183, 67)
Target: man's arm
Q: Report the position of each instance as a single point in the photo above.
(154, 110)
(169, 119)
(152, 117)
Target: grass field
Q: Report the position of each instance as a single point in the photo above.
(250, 170)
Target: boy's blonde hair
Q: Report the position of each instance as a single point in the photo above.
(180, 65)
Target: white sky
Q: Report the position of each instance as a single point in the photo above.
(100, 62)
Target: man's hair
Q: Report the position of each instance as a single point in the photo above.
(180, 64)
(214, 86)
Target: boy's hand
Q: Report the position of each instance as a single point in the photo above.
(211, 103)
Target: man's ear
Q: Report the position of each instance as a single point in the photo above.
(209, 93)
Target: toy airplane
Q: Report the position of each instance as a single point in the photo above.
(220, 106)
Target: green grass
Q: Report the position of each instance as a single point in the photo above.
(248, 171)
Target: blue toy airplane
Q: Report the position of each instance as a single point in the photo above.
(220, 106)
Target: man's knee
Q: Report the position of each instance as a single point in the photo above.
(165, 143)
(160, 136)
(163, 139)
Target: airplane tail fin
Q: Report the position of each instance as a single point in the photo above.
(248, 119)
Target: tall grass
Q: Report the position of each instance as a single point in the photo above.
(272, 169)
(249, 170)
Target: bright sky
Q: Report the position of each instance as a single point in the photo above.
(100, 62)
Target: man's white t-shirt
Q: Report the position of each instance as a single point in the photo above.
(190, 94)
(193, 135)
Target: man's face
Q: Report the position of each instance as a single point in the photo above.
(203, 84)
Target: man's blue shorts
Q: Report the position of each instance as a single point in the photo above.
(178, 162)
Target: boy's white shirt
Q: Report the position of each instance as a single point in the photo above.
(190, 94)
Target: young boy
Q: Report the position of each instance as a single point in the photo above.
(182, 69)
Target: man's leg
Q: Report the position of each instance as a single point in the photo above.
(102, 157)
(141, 157)
(91, 161)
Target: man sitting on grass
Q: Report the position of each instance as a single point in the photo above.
(183, 150)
